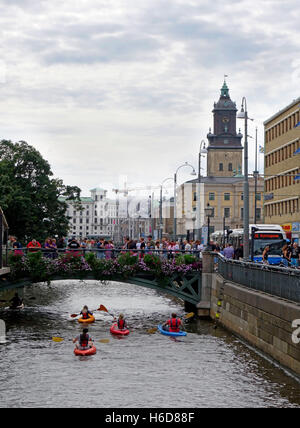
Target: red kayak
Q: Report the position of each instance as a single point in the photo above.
(115, 330)
(90, 351)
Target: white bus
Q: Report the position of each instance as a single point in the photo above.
(272, 235)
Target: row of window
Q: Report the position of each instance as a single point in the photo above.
(282, 127)
(221, 167)
(282, 208)
(227, 196)
(227, 213)
(282, 154)
(282, 181)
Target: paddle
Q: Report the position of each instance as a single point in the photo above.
(61, 339)
(93, 310)
(103, 308)
(187, 316)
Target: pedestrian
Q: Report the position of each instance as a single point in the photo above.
(229, 251)
(295, 255)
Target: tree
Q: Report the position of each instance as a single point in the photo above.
(29, 196)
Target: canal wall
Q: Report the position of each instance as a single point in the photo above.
(262, 320)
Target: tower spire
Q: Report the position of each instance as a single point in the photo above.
(225, 89)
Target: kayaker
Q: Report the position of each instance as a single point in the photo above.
(16, 301)
(85, 313)
(121, 322)
(84, 341)
(173, 325)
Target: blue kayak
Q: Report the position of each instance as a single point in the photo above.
(169, 333)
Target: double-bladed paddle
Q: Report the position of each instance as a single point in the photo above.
(187, 316)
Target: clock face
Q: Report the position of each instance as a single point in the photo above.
(225, 119)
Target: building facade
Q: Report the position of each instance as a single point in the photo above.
(222, 188)
(282, 169)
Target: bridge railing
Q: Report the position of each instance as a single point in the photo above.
(277, 281)
(106, 253)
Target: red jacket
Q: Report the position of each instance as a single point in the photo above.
(174, 324)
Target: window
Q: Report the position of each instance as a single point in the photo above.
(258, 196)
(226, 212)
(242, 196)
(258, 213)
(220, 167)
(242, 213)
(195, 196)
(226, 196)
(230, 167)
(211, 196)
(74, 220)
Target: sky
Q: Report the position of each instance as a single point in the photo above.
(111, 90)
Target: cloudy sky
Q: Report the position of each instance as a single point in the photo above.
(109, 88)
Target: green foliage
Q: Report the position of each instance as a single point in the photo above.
(152, 261)
(127, 259)
(30, 196)
(186, 259)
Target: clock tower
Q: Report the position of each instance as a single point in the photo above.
(224, 144)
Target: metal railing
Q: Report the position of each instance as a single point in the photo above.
(105, 252)
(276, 281)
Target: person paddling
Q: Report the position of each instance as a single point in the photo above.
(174, 324)
(84, 341)
(16, 301)
(85, 313)
(121, 322)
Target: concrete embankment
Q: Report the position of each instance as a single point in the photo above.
(263, 320)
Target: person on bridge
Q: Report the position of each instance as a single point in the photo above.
(33, 246)
(85, 313)
(174, 324)
(84, 340)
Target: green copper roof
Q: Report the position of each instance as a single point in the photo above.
(224, 90)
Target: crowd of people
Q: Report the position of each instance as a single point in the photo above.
(165, 248)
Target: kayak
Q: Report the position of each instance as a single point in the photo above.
(114, 330)
(87, 320)
(90, 351)
(17, 307)
(170, 333)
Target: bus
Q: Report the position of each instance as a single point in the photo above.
(272, 235)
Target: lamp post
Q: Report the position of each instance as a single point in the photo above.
(198, 215)
(160, 208)
(255, 174)
(175, 183)
(209, 213)
(244, 115)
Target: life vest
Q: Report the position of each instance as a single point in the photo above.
(86, 315)
(174, 324)
(84, 340)
(121, 324)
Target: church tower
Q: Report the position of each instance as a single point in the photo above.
(224, 144)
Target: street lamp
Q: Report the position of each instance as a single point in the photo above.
(175, 182)
(198, 216)
(243, 114)
(160, 208)
(255, 174)
(209, 212)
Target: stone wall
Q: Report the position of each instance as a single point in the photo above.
(264, 321)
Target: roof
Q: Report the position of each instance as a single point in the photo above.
(97, 189)
(294, 102)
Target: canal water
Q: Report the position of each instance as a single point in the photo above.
(207, 368)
